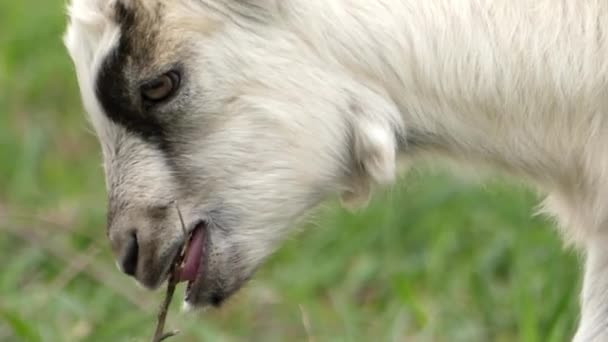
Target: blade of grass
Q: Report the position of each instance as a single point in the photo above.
(96, 270)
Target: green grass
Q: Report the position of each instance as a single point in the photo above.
(432, 260)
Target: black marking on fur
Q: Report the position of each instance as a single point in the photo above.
(217, 298)
(118, 97)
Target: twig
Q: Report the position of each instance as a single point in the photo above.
(159, 334)
(306, 324)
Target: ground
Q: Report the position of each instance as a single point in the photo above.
(435, 259)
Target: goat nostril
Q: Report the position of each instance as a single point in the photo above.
(129, 261)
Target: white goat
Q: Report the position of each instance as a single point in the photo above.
(251, 112)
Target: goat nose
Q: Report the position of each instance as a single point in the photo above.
(130, 255)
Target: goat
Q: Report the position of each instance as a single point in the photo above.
(250, 113)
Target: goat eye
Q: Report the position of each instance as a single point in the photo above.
(160, 88)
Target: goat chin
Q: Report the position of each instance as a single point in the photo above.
(284, 103)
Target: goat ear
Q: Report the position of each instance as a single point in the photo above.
(375, 149)
(374, 154)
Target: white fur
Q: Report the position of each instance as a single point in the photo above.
(521, 85)
(90, 39)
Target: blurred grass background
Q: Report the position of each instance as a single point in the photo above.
(434, 260)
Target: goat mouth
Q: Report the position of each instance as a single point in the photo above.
(194, 258)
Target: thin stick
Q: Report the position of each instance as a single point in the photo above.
(159, 334)
(181, 220)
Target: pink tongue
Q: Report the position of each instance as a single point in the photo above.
(193, 257)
